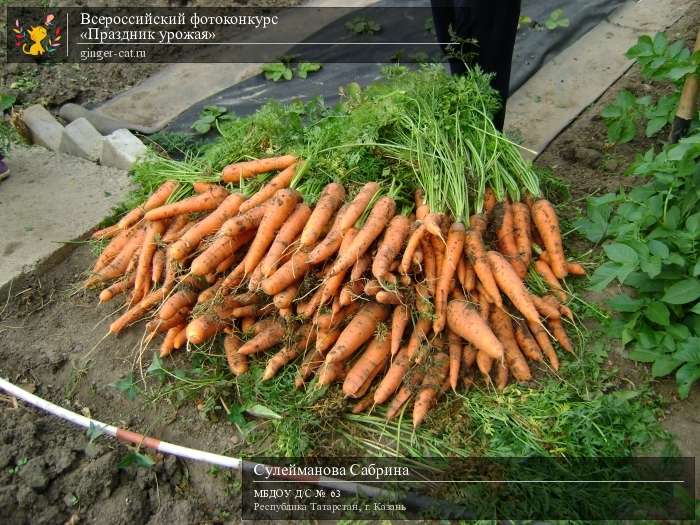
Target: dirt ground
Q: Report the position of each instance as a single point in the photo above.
(52, 473)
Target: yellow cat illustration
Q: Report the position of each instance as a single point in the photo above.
(37, 35)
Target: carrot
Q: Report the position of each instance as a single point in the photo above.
(248, 310)
(438, 245)
(207, 201)
(453, 254)
(311, 362)
(247, 169)
(158, 266)
(484, 303)
(468, 355)
(203, 328)
(118, 265)
(221, 249)
(432, 381)
(489, 200)
(433, 222)
(544, 343)
(394, 237)
(177, 227)
(137, 312)
(161, 195)
(566, 311)
(429, 265)
(360, 267)
(465, 322)
(183, 298)
(575, 268)
(325, 339)
(332, 284)
(512, 286)
(117, 288)
(131, 218)
(350, 292)
(279, 208)
(303, 338)
(107, 233)
(404, 394)
(393, 378)
(560, 334)
(181, 337)
(389, 297)
(330, 372)
(455, 357)
(308, 308)
(382, 212)
(286, 297)
(503, 328)
(330, 200)
(268, 334)
(478, 222)
(247, 323)
(210, 224)
(547, 274)
(358, 205)
(504, 232)
(331, 242)
(422, 209)
(474, 248)
(115, 246)
(167, 346)
(544, 307)
(522, 231)
(358, 331)
(287, 274)
(331, 320)
(143, 268)
(158, 325)
(484, 363)
(367, 366)
(545, 218)
(372, 287)
(282, 180)
(501, 375)
(364, 403)
(286, 235)
(237, 363)
(414, 242)
(243, 222)
(526, 342)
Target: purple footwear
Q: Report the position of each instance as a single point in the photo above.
(4, 170)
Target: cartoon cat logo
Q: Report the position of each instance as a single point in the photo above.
(38, 40)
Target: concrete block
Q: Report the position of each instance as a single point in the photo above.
(81, 139)
(45, 129)
(121, 149)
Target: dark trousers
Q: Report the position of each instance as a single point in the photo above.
(492, 25)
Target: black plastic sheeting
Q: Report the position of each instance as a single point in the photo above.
(533, 48)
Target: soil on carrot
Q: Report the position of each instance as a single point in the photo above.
(51, 341)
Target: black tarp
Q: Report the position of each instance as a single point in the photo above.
(534, 47)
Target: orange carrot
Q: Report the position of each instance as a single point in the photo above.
(330, 200)
(118, 265)
(468, 324)
(389, 297)
(358, 205)
(546, 308)
(184, 297)
(237, 363)
(285, 298)
(560, 334)
(429, 265)
(378, 218)
(512, 286)
(350, 292)
(203, 328)
(168, 344)
(268, 334)
(501, 375)
(455, 354)
(414, 242)
(247, 169)
(143, 269)
(503, 328)
(478, 222)
(115, 246)
(432, 381)
(286, 235)
(399, 321)
(547, 274)
(526, 342)
(117, 288)
(107, 233)
(247, 323)
(453, 254)
(221, 249)
(277, 211)
(282, 180)
(159, 197)
(468, 355)
(545, 218)
(308, 308)
(394, 237)
(158, 325)
(364, 403)
(312, 361)
(433, 222)
(575, 268)
(367, 366)
(489, 200)
(207, 201)
(544, 343)
(474, 248)
(210, 224)
(393, 378)
(138, 311)
(372, 287)
(287, 274)
(505, 234)
(158, 266)
(484, 363)
(332, 284)
(131, 218)
(358, 331)
(330, 372)
(522, 231)
(181, 337)
(302, 339)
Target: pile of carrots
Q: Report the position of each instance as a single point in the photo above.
(399, 308)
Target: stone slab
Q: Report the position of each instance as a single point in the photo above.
(121, 149)
(81, 139)
(44, 128)
(49, 200)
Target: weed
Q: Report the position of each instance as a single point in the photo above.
(137, 459)
(26, 82)
(363, 25)
(18, 466)
(556, 19)
(209, 118)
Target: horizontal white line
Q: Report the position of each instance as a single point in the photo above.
(483, 481)
(263, 43)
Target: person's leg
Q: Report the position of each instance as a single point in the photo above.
(4, 170)
(494, 25)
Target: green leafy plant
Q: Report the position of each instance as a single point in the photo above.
(137, 459)
(659, 61)
(429, 25)
(18, 466)
(362, 25)
(524, 21)
(208, 118)
(6, 102)
(305, 68)
(556, 19)
(127, 385)
(278, 71)
(652, 241)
